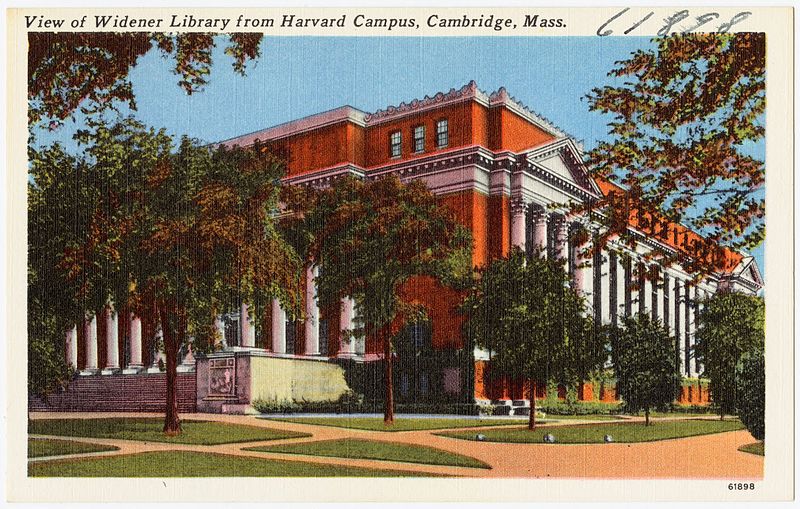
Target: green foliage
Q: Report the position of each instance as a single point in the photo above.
(579, 408)
(40, 447)
(683, 116)
(170, 233)
(731, 325)
(751, 389)
(90, 71)
(200, 464)
(534, 325)
(275, 406)
(643, 359)
(47, 369)
(370, 238)
(149, 430)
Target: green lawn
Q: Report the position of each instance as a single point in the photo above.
(197, 464)
(594, 433)
(755, 448)
(401, 424)
(40, 447)
(149, 430)
(375, 450)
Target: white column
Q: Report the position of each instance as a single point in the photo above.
(540, 230)
(605, 287)
(560, 226)
(669, 310)
(347, 343)
(646, 292)
(219, 325)
(112, 341)
(312, 313)
(621, 289)
(702, 295)
(71, 347)
(658, 302)
(247, 331)
(680, 324)
(90, 337)
(692, 327)
(518, 224)
(278, 327)
(135, 338)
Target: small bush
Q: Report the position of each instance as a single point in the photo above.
(750, 381)
(578, 408)
(275, 406)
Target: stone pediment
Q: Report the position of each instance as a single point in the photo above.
(563, 159)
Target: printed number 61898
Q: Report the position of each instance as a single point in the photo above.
(741, 486)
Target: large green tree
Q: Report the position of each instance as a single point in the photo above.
(731, 324)
(643, 358)
(371, 238)
(173, 231)
(686, 118)
(71, 71)
(534, 325)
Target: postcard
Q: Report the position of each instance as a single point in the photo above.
(404, 254)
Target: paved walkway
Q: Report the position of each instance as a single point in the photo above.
(702, 457)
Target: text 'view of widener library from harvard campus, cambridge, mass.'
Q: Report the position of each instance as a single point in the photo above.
(507, 174)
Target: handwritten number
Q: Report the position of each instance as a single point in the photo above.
(723, 28)
(639, 23)
(702, 20)
(671, 21)
(615, 16)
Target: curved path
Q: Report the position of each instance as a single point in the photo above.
(712, 456)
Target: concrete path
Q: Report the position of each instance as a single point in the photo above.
(702, 457)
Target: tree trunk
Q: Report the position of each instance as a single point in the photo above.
(388, 412)
(532, 396)
(647, 417)
(172, 422)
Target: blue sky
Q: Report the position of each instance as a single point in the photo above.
(300, 76)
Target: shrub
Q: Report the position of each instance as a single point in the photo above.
(579, 408)
(275, 406)
(750, 380)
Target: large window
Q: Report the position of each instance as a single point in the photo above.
(442, 134)
(395, 144)
(419, 139)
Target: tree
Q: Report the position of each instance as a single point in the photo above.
(535, 327)
(643, 358)
(685, 121)
(731, 325)
(751, 391)
(68, 71)
(370, 238)
(172, 234)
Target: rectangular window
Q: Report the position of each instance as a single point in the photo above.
(290, 335)
(612, 284)
(419, 139)
(323, 337)
(442, 136)
(395, 144)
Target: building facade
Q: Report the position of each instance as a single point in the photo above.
(509, 176)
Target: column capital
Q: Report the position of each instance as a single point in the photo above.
(518, 206)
